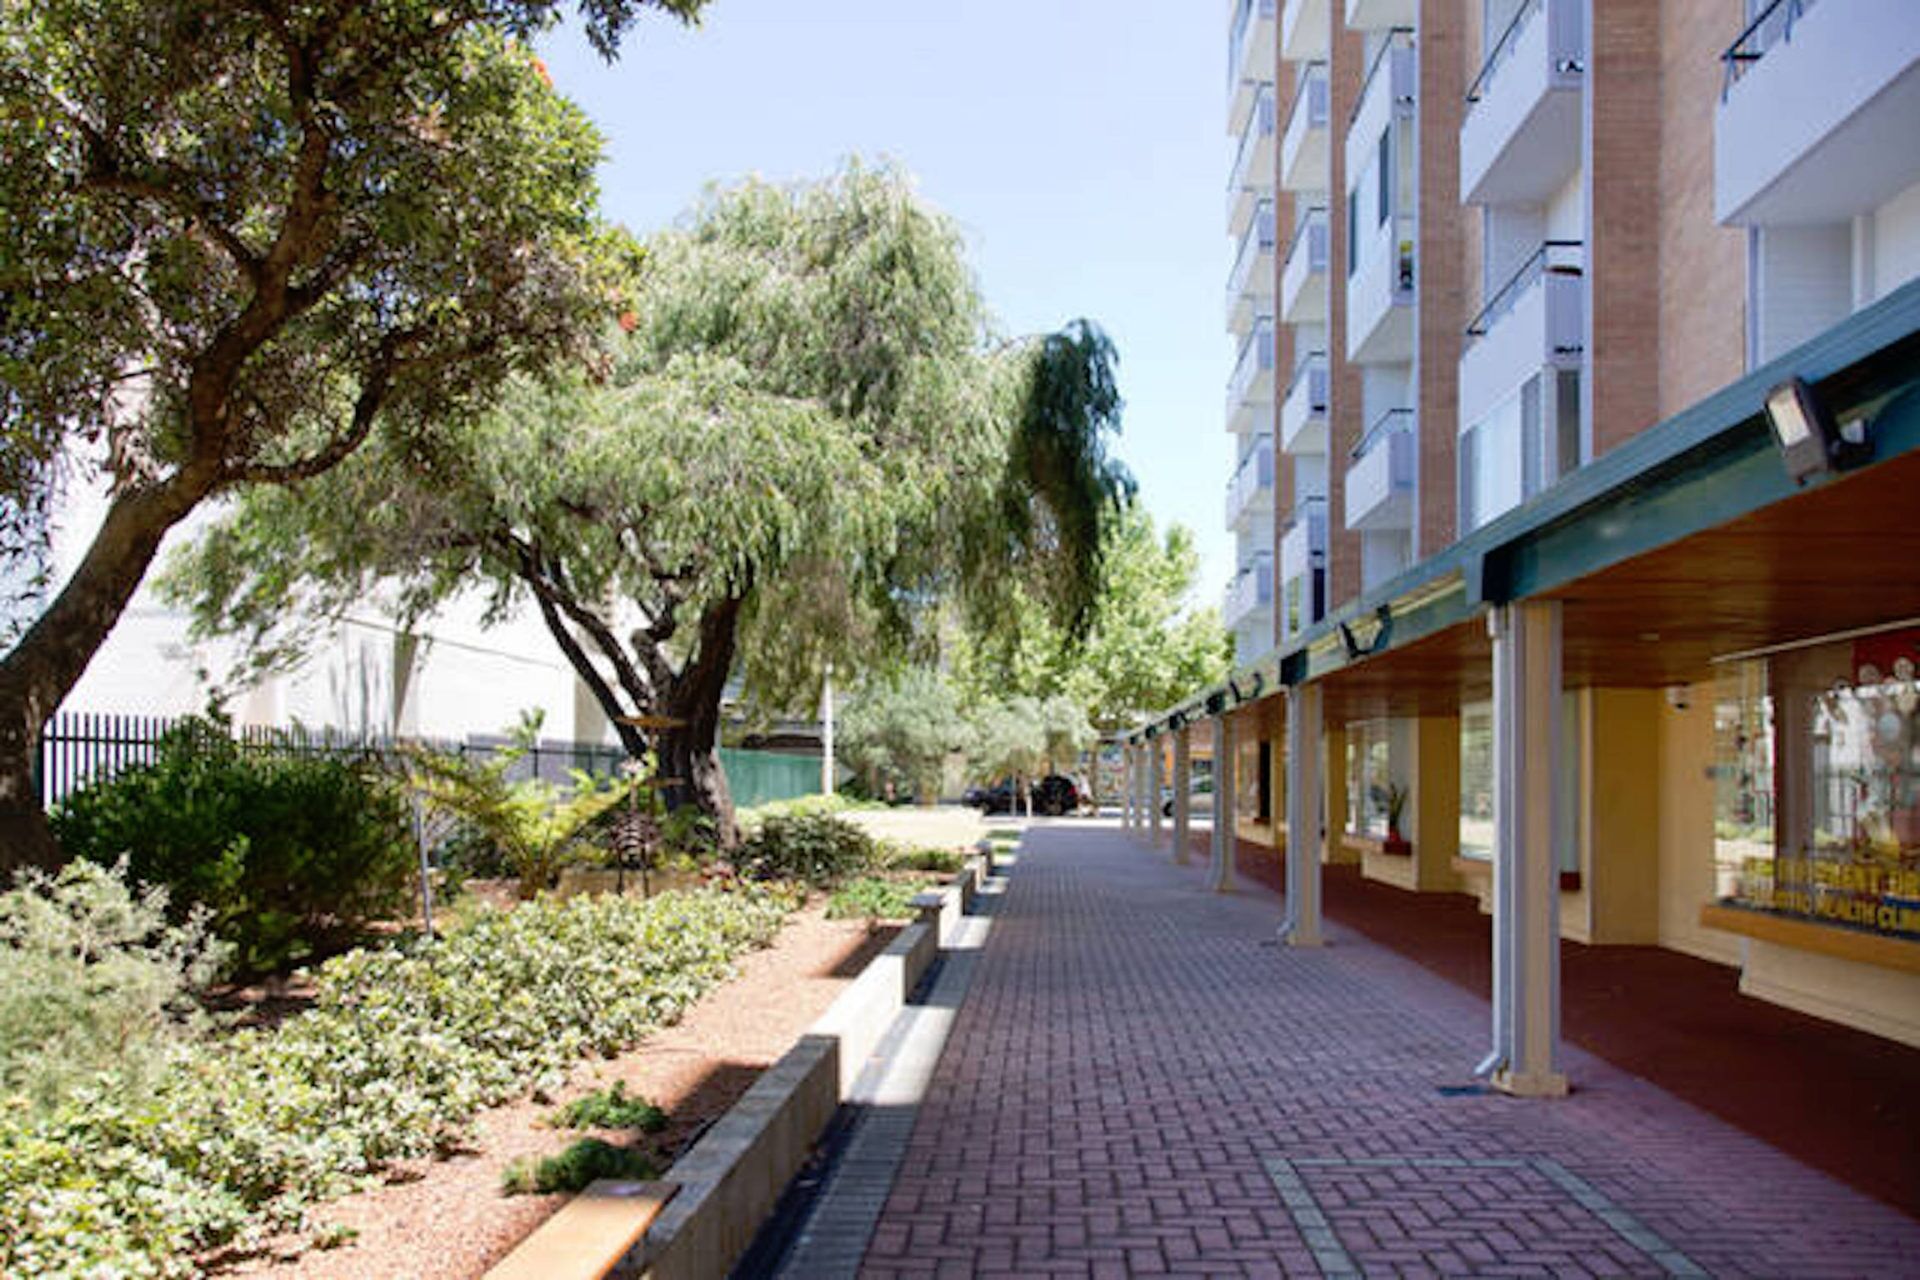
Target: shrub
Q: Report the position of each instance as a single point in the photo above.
(403, 1046)
(899, 857)
(571, 1170)
(817, 848)
(610, 1109)
(92, 976)
(290, 855)
(873, 899)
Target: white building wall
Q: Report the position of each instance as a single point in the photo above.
(1896, 242)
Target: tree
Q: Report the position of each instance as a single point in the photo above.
(1009, 740)
(900, 730)
(805, 442)
(243, 237)
(1143, 649)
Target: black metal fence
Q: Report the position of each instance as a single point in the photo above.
(79, 749)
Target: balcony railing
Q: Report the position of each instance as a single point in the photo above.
(1313, 219)
(1383, 426)
(1256, 358)
(1397, 38)
(1303, 162)
(1310, 513)
(1553, 257)
(1772, 25)
(1251, 589)
(1309, 95)
(1237, 41)
(1251, 478)
(1258, 127)
(1258, 240)
(1306, 366)
(1502, 47)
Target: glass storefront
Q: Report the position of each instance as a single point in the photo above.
(1817, 773)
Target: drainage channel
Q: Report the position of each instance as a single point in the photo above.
(822, 1225)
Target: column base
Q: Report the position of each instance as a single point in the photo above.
(1536, 1084)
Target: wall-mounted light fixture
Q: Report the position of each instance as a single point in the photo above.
(1811, 443)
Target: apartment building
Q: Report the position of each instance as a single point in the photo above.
(1589, 361)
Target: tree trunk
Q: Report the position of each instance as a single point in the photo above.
(690, 749)
(39, 673)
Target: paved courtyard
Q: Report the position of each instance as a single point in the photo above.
(1139, 1082)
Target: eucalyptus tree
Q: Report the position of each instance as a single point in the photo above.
(806, 437)
(241, 238)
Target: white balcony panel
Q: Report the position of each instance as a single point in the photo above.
(1250, 389)
(1380, 295)
(1520, 138)
(1251, 179)
(1249, 596)
(1251, 58)
(1380, 481)
(1377, 15)
(1303, 280)
(1249, 505)
(1305, 34)
(1303, 547)
(1303, 413)
(1304, 149)
(1544, 327)
(1389, 88)
(1823, 121)
(1250, 283)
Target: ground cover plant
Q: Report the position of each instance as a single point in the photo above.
(404, 1045)
(818, 849)
(610, 1109)
(585, 1161)
(874, 898)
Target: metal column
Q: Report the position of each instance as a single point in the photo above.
(1220, 873)
(1301, 927)
(1182, 795)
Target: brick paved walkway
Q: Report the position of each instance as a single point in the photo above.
(1140, 1083)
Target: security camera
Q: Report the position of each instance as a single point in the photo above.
(1679, 696)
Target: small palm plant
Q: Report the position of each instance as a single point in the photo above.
(539, 828)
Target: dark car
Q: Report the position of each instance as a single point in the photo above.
(1053, 795)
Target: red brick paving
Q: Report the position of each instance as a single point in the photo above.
(1844, 1101)
(1134, 1059)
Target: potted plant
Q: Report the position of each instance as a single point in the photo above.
(1392, 797)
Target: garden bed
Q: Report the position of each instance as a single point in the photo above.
(450, 1217)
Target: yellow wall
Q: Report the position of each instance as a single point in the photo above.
(1885, 1002)
(1620, 866)
(1685, 739)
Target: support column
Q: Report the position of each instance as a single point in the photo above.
(1526, 876)
(1301, 927)
(1182, 795)
(1156, 782)
(1126, 786)
(1220, 873)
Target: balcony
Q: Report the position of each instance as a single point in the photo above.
(1303, 560)
(1536, 320)
(1520, 137)
(1250, 594)
(1303, 410)
(1251, 385)
(1378, 15)
(1304, 32)
(1252, 175)
(1303, 280)
(1304, 164)
(1817, 115)
(1380, 480)
(1250, 58)
(1250, 283)
(1380, 277)
(1250, 492)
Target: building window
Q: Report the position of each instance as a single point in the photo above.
(1369, 777)
(1817, 773)
(1385, 167)
(1477, 817)
(1353, 231)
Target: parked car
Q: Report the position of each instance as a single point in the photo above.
(1054, 795)
(1199, 797)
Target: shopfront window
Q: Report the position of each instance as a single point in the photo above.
(1369, 778)
(1476, 782)
(1826, 824)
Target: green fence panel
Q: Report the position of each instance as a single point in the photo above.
(756, 777)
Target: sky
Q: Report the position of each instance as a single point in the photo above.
(1080, 146)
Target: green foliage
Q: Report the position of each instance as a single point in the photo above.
(93, 977)
(585, 1161)
(873, 898)
(1144, 649)
(610, 1109)
(899, 857)
(813, 848)
(535, 827)
(289, 854)
(403, 1047)
(899, 730)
